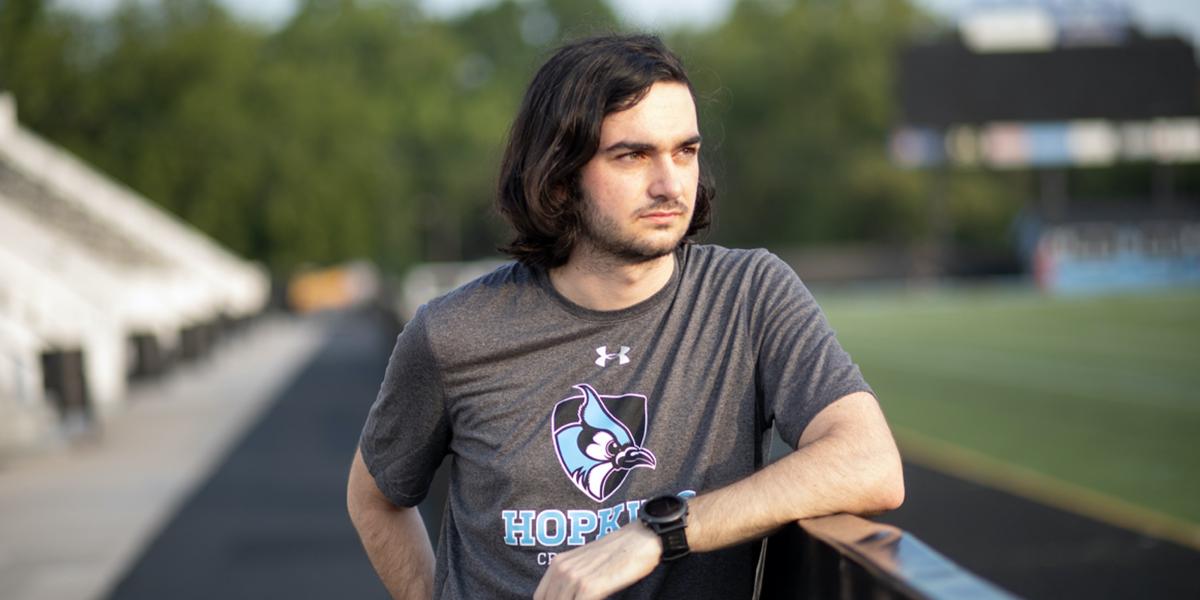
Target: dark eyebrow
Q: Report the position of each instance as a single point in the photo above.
(645, 147)
(630, 146)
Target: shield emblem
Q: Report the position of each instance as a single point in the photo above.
(599, 439)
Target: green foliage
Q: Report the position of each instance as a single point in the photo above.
(367, 129)
(800, 92)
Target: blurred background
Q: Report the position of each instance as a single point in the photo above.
(216, 215)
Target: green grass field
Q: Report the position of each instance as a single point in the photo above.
(1101, 392)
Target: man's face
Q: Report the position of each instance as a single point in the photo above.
(639, 189)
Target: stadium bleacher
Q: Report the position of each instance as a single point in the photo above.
(96, 284)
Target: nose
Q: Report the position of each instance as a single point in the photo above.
(667, 183)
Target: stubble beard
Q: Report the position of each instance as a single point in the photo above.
(610, 242)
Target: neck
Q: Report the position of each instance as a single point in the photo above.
(599, 284)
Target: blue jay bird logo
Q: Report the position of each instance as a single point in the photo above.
(599, 439)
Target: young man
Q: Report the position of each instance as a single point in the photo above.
(605, 398)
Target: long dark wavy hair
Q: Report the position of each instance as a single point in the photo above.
(557, 131)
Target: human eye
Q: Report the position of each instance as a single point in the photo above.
(632, 156)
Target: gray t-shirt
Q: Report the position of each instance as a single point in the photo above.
(561, 420)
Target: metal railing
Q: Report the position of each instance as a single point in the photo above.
(847, 557)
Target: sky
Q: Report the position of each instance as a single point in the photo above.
(1157, 16)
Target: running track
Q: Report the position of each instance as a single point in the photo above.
(271, 521)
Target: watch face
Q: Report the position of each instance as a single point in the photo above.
(663, 507)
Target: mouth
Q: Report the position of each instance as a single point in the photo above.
(661, 216)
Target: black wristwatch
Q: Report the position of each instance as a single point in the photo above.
(667, 516)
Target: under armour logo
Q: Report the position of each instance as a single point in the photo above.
(622, 356)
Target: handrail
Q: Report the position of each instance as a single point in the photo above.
(844, 556)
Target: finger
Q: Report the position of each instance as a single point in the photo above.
(567, 585)
(556, 584)
(542, 591)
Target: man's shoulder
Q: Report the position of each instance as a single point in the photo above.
(468, 319)
(724, 254)
(707, 260)
(497, 287)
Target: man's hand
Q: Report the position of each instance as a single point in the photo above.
(603, 567)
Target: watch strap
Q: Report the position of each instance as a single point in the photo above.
(671, 530)
(674, 543)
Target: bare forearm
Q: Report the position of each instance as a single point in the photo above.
(846, 462)
(846, 468)
(394, 538)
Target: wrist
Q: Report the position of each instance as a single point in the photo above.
(648, 541)
(666, 517)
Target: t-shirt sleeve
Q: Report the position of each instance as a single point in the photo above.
(407, 433)
(801, 366)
